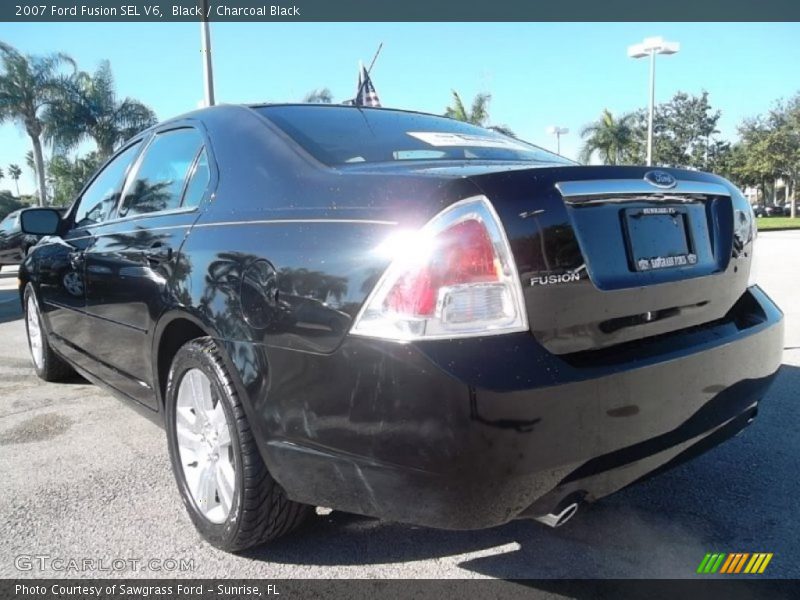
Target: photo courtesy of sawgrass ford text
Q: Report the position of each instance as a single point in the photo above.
(71, 591)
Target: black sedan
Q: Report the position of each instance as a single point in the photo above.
(400, 315)
(14, 244)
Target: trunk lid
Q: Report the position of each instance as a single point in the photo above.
(606, 256)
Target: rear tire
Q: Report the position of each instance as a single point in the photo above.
(47, 364)
(232, 499)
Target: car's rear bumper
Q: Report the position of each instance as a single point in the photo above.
(476, 433)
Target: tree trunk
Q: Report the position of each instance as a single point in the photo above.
(16, 182)
(38, 160)
(105, 150)
(793, 182)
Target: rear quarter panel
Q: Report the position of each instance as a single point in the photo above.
(297, 239)
(284, 255)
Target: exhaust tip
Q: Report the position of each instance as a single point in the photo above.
(558, 519)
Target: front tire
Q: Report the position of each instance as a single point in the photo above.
(47, 364)
(232, 499)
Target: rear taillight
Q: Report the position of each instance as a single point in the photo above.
(453, 278)
(744, 226)
(751, 279)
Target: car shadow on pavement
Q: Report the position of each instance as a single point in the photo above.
(738, 497)
(10, 306)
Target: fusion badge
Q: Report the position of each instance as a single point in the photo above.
(551, 279)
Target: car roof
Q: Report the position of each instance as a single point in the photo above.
(198, 113)
(325, 105)
(208, 115)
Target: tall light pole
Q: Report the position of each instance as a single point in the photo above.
(205, 41)
(650, 47)
(558, 132)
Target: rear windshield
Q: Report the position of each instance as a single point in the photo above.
(338, 135)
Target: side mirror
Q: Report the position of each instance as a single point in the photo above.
(40, 221)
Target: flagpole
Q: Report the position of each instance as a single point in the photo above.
(374, 58)
(361, 70)
(205, 41)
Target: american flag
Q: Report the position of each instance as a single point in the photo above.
(366, 94)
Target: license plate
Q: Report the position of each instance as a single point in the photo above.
(658, 238)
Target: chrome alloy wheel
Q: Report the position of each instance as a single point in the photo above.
(35, 333)
(204, 444)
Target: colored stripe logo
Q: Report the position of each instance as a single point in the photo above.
(735, 563)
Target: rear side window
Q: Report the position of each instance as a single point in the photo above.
(198, 181)
(160, 178)
(99, 200)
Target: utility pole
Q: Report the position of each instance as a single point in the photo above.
(558, 132)
(652, 107)
(650, 47)
(205, 41)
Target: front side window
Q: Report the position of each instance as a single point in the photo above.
(99, 200)
(159, 180)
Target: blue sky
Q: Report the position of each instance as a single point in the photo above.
(538, 74)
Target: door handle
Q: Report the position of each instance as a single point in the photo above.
(158, 253)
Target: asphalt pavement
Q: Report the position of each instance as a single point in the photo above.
(86, 477)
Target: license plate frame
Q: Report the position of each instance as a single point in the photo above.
(677, 247)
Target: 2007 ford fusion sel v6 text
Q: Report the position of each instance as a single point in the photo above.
(400, 315)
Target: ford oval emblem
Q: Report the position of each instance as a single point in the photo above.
(660, 179)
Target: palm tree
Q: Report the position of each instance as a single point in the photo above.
(320, 96)
(477, 115)
(15, 172)
(504, 129)
(31, 164)
(91, 111)
(28, 86)
(66, 176)
(613, 139)
(2, 175)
